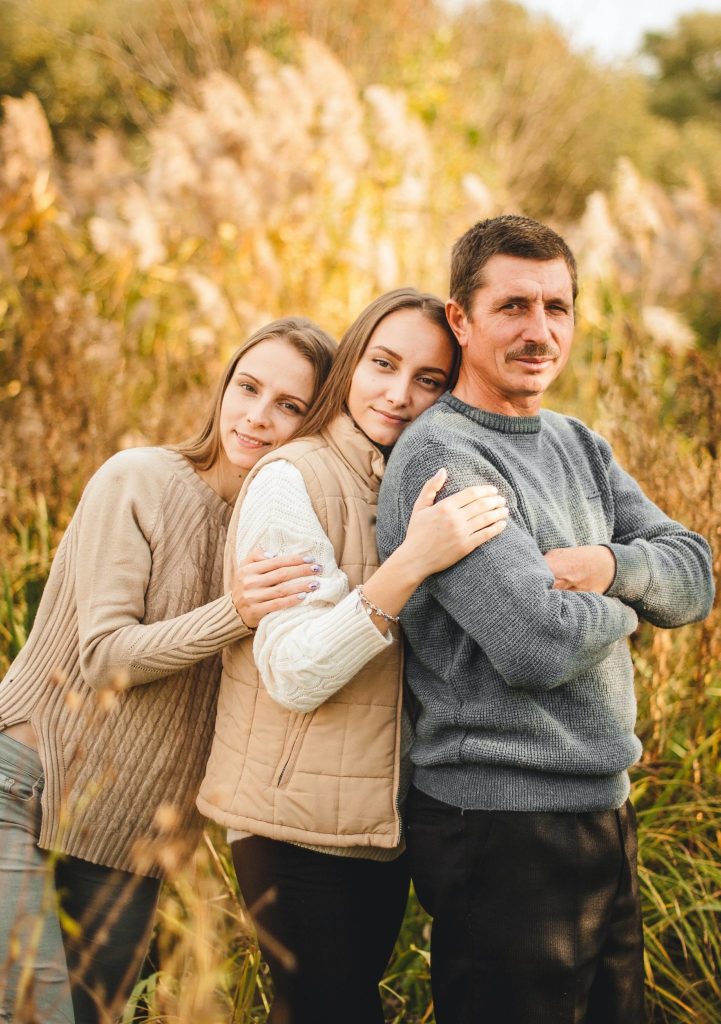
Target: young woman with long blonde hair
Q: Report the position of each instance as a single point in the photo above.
(106, 715)
(306, 767)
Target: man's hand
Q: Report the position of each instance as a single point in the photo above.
(591, 568)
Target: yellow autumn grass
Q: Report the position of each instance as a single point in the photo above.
(131, 264)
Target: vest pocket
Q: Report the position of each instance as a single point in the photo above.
(291, 749)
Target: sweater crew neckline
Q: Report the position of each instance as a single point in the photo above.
(493, 420)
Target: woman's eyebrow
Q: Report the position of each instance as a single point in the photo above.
(298, 399)
(295, 398)
(388, 351)
(395, 355)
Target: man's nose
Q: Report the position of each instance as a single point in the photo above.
(536, 327)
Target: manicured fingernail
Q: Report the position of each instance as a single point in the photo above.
(308, 559)
(269, 554)
(316, 568)
(301, 597)
(313, 585)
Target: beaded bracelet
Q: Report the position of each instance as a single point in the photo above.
(372, 609)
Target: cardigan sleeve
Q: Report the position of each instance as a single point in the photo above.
(304, 654)
(116, 519)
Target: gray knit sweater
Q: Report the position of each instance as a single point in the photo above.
(525, 693)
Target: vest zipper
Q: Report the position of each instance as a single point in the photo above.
(300, 731)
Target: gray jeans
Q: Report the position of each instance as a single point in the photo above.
(112, 910)
(33, 971)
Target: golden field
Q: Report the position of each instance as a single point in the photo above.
(171, 176)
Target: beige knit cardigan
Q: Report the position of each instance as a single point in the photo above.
(120, 673)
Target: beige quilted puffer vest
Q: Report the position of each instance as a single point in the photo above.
(328, 777)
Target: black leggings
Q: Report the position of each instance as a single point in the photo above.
(326, 927)
(113, 911)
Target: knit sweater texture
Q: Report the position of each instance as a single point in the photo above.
(525, 693)
(306, 653)
(120, 673)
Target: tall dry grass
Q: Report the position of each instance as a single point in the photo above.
(131, 264)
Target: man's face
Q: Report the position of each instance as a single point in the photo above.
(517, 336)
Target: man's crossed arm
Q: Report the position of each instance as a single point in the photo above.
(531, 615)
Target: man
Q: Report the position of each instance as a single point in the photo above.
(521, 836)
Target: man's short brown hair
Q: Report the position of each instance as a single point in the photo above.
(509, 235)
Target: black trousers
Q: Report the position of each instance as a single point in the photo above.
(536, 917)
(326, 927)
(113, 915)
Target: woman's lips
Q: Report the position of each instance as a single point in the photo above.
(245, 441)
(390, 417)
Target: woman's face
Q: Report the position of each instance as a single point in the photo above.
(265, 402)
(405, 367)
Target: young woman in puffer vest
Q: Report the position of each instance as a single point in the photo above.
(307, 765)
(106, 715)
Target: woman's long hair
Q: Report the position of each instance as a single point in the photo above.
(334, 393)
(306, 337)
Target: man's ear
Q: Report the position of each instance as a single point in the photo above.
(458, 321)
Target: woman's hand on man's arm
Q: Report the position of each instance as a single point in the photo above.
(439, 534)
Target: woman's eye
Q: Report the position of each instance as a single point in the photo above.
(290, 407)
(383, 363)
(430, 382)
(246, 386)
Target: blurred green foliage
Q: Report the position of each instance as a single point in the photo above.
(686, 82)
(497, 84)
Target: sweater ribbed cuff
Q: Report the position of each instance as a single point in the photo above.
(633, 573)
(361, 641)
(229, 624)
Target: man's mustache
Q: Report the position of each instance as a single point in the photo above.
(529, 350)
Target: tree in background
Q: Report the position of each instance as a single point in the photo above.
(686, 82)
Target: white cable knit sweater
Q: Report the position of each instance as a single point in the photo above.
(304, 654)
